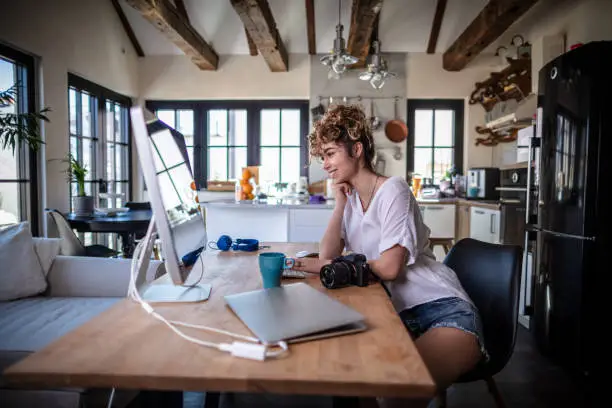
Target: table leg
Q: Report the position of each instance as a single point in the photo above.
(128, 244)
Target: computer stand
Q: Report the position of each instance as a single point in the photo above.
(154, 292)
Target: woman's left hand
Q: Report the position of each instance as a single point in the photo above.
(310, 265)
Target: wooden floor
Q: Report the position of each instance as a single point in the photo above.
(529, 380)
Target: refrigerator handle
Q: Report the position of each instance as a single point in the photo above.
(533, 143)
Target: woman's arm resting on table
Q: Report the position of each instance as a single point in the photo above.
(332, 243)
(390, 263)
(310, 265)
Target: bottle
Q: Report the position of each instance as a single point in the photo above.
(238, 191)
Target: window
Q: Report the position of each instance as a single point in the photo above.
(222, 137)
(18, 169)
(100, 140)
(436, 144)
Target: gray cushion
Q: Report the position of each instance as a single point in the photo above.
(21, 274)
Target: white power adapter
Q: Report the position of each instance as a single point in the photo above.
(241, 349)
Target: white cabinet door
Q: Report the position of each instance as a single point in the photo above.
(440, 219)
(244, 222)
(307, 225)
(485, 224)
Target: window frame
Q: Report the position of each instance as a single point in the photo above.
(456, 105)
(101, 95)
(27, 157)
(253, 107)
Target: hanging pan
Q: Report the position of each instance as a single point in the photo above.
(396, 130)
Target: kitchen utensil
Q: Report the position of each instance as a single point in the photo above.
(374, 120)
(380, 163)
(317, 111)
(396, 129)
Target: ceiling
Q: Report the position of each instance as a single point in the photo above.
(405, 25)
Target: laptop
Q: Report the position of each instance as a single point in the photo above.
(294, 313)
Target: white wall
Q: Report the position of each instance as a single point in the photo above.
(84, 37)
(426, 79)
(237, 77)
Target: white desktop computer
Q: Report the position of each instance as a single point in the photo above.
(177, 219)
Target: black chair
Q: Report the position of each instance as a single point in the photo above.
(71, 245)
(134, 205)
(490, 275)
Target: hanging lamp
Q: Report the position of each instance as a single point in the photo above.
(338, 59)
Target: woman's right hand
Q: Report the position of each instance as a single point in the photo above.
(341, 193)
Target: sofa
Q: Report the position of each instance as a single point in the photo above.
(77, 289)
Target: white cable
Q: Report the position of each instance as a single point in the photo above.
(254, 350)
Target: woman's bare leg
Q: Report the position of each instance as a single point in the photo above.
(448, 353)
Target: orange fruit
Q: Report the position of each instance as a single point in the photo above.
(246, 174)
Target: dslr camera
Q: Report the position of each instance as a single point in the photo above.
(345, 271)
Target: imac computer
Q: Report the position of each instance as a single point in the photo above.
(177, 220)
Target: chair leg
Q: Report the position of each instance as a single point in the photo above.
(499, 401)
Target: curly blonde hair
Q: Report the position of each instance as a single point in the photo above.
(346, 125)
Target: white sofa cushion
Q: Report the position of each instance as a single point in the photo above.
(47, 249)
(21, 274)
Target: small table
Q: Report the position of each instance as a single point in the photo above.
(127, 225)
(124, 347)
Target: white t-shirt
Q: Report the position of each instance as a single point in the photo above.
(393, 217)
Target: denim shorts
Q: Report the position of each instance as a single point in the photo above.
(446, 312)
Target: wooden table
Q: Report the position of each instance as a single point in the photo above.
(125, 348)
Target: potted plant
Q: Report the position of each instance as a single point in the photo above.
(82, 204)
(17, 128)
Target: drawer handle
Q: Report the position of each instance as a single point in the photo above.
(493, 223)
(479, 211)
(429, 207)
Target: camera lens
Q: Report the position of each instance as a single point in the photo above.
(336, 275)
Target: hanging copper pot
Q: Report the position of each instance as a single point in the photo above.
(396, 129)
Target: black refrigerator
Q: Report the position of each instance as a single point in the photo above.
(569, 223)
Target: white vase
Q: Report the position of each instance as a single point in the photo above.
(83, 205)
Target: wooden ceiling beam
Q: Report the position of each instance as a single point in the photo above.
(167, 19)
(310, 27)
(128, 28)
(435, 26)
(259, 22)
(180, 7)
(494, 19)
(252, 47)
(363, 18)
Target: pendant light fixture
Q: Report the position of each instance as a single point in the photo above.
(338, 59)
(377, 72)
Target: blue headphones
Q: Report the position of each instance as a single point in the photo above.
(225, 243)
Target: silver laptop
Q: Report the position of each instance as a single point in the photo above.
(294, 313)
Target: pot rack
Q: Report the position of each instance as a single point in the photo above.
(358, 97)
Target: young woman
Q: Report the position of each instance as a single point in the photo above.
(379, 217)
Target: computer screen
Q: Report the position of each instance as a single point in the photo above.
(169, 181)
(176, 181)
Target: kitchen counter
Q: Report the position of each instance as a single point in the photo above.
(493, 204)
(271, 204)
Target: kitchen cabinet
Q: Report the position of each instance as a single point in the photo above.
(440, 218)
(463, 221)
(308, 225)
(485, 224)
(267, 223)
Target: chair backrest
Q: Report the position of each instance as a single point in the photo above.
(70, 242)
(490, 275)
(134, 205)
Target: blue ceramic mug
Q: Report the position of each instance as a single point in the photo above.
(271, 266)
